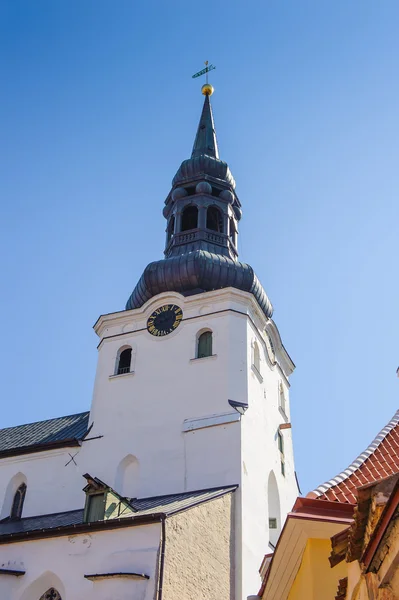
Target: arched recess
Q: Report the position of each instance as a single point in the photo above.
(274, 512)
(12, 487)
(127, 477)
(214, 219)
(38, 589)
(189, 218)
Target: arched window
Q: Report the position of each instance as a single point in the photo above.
(273, 501)
(124, 361)
(189, 218)
(214, 219)
(51, 594)
(171, 227)
(18, 502)
(204, 346)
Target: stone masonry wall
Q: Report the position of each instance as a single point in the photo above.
(199, 553)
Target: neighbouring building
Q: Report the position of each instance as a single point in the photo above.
(342, 541)
(185, 457)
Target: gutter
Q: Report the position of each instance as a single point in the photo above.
(11, 538)
(67, 443)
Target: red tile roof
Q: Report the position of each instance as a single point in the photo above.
(379, 460)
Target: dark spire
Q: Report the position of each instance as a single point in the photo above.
(205, 140)
(202, 212)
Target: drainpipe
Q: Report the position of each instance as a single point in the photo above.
(162, 558)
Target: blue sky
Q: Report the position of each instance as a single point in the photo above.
(98, 109)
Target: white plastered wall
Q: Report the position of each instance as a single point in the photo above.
(62, 563)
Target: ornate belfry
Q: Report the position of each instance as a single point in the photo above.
(202, 211)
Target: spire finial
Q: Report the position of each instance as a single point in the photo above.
(207, 88)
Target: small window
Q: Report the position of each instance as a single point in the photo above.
(125, 359)
(214, 219)
(281, 397)
(272, 523)
(280, 439)
(18, 502)
(95, 508)
(204, 344)
(189, 219)
(51, 594)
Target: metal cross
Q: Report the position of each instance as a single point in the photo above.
(205, 71)
(72, 459)
(52, 594)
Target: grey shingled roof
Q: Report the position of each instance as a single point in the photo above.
(44, 432)
(168, 505)
(173, 503)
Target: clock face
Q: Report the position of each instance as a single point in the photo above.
(164, 320)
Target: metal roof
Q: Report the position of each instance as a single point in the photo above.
(167, 505)
(43, 432)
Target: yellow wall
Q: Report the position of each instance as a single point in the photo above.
(316, 580)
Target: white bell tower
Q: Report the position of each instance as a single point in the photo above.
(192, 389)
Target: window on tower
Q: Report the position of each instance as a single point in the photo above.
(124, 361)
(281, 399)
(280, 440)
(18, 502)
(204, 344)
(189, 218)
(214, 219)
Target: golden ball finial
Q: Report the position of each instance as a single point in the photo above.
(207, 89)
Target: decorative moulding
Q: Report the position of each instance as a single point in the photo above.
(201, 358)
(97, 576)
(121, 375)
(212, 421)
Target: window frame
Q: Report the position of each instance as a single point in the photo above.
(200, 335)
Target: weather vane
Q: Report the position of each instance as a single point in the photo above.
(207, 88)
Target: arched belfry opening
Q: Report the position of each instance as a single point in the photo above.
(171, 227)
(189, 218)
(214, 219)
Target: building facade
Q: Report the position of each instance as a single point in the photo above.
(186, 454)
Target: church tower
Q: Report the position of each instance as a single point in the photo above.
(192, 389)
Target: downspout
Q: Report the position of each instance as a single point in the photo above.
(162, 558)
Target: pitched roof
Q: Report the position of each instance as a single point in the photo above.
(379, 460)
(43, 434)
(38, 526)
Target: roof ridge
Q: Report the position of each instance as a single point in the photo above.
(85, 412)
(211, 489)
(359, 460)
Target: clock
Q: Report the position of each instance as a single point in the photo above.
(164, 320)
